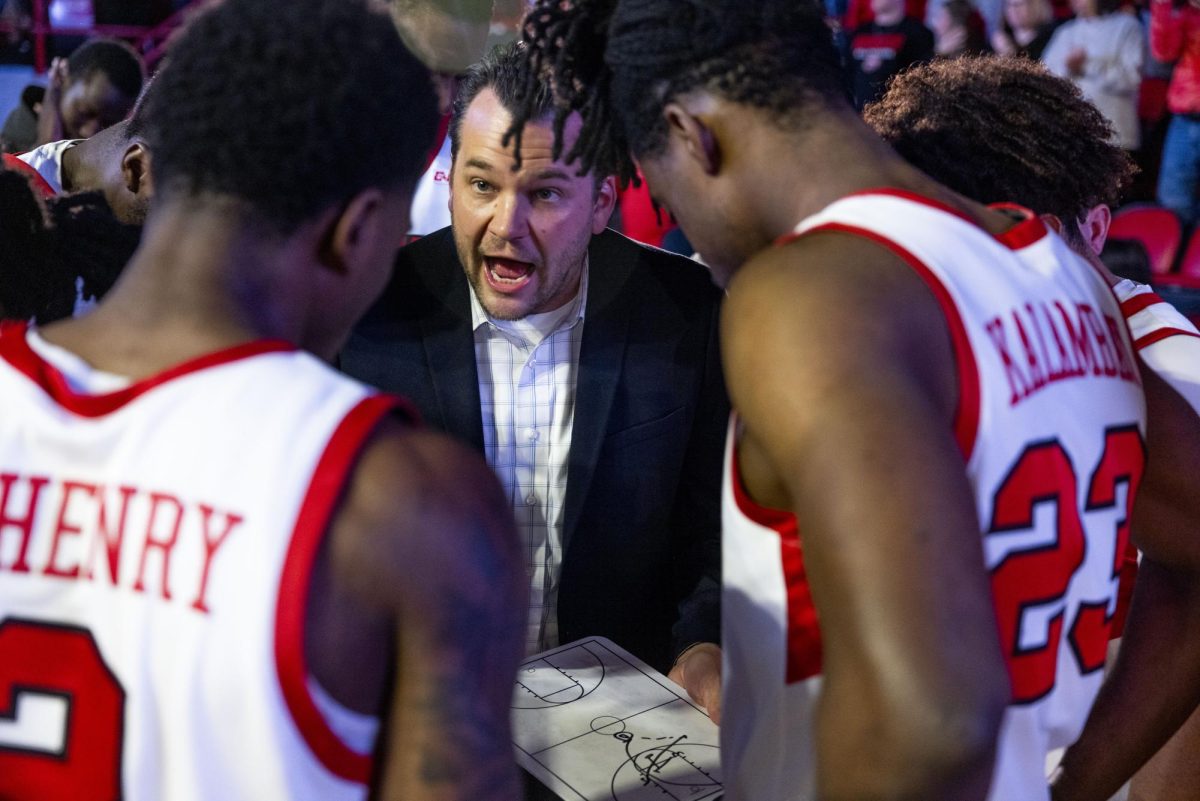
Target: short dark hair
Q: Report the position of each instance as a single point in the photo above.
(1002, 129)
(619, 62)
(120, 62)
(503, 70)
(291, 107)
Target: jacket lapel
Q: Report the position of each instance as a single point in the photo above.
(601, 355)
(450, 354)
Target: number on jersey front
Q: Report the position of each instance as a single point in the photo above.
(1029, 581)
(61, 715)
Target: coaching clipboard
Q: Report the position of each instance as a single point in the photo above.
(594, 723)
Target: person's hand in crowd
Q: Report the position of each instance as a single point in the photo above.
(50, 123)
(1076, 60)
(698, 670)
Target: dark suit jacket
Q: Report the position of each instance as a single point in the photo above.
(641, 562)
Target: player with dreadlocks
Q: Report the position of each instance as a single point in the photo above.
(914, 375)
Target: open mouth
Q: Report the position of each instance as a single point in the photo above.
(507, 275)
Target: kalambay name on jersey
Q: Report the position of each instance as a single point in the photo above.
(1050, 423)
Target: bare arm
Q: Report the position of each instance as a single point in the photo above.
(1155, 682)
(425, 533)
(849, 425)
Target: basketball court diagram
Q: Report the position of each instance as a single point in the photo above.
(594, 723)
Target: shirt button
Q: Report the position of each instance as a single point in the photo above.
(532, 435)
(531, 500)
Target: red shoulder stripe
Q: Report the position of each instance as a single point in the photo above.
(1160, 335)
(316, 511)
(40, 184)
(1140, 302)
(14, 349)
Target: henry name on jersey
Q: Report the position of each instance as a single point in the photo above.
(144, 541)
(1042, 343)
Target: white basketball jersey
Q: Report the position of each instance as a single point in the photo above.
(431, 202)
(1166, 340)
(1050, 423)
(155, 550)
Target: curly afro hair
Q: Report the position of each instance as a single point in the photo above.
(619, 62)
(291, 107)
(1004, 130)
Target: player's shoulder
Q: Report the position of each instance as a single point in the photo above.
(416, 497)
(829, 288)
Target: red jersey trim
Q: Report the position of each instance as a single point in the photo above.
(316, 511)
(966, 416)
(1139, 303)
(804, 649)
(1160, 335)
(11, 162)
(15, 349)
(1021, 235)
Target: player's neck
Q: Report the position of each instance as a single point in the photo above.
(201, 281)
(800, 173)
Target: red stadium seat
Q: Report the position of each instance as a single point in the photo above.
(1158, 229)
(1188, 272)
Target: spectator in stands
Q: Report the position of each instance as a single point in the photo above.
(1175, 36)
(114, 162)
(52, 254)
(93, 89)
(1102, 51)
(881, 48)
(448, 38)
(958, 30)
(1028, 26)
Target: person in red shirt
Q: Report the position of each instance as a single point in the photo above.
(1175, 37)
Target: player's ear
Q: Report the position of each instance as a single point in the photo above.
(350, 235)
(1094, 226)
(135, 170)
(694, 136)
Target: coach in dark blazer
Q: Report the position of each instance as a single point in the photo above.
(641, 536)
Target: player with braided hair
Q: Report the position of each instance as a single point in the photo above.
(913, 375)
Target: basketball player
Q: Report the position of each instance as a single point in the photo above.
(1005, 129)
(226, 571)
(962, 482)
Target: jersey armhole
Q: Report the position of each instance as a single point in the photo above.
(316, 511)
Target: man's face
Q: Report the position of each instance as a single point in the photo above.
(1020, 13)
(521, 236)
(91, 104)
